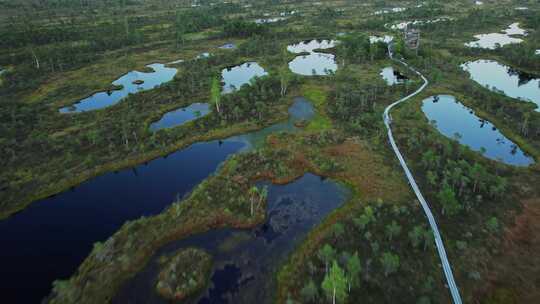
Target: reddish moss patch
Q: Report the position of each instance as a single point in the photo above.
(515, 277)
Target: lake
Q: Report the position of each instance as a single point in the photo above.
(236, 76)
(501, 78)
(180, 116)
(314, 63)
(452, 117)
(130, 84)
(49, 239)
(392, 76)
(494, 40)
(246, 261)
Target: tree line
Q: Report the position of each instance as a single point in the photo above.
(372, 253)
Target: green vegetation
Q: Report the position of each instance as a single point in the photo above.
(378, 246)
(374, 262)
(318, 96)
(357, 48)
(222, 200)
(335, 284)
(184, 273)
(89, 142)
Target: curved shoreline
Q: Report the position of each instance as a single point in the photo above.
(438, 240)
(128, 162)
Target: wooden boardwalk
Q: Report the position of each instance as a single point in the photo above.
(454, 291)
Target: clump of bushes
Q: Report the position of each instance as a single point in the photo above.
(183, 273)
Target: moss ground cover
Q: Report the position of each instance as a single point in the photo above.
(183, 273)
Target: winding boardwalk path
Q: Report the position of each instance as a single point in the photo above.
(438, 240)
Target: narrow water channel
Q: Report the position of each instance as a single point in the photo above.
(49, 239)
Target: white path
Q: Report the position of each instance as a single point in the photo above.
(438, 240)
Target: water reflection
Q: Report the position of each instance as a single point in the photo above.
(392, 10)
(245, 261)
(49, 239)
(301, 111)
(405, 24)
(514, 29)
(392, 76)
(456, 121)
(131, 83)
(385, 39)
(314, 63)
(180, 116)
(203, 55)
(269, 20)
(311, 45)
(495, 40)
(235, 77)
(228, 46)
(511, 82)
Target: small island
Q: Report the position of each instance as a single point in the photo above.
(183, 273)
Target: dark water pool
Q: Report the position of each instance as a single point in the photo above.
(245, 261)
(49, 239)
(452, 117)
(161, 74)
